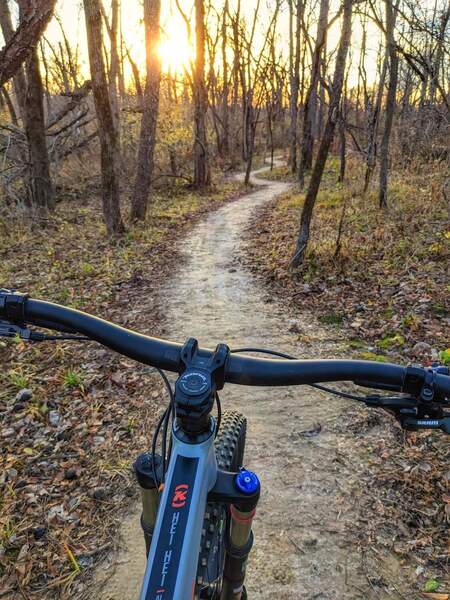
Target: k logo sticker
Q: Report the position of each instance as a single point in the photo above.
(180, 495)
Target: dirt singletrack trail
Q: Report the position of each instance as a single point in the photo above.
(303, 548)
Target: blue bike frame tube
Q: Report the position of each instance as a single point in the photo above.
(173, 557)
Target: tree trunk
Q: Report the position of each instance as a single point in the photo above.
(19, 83)
(25, 38)
(225, 150)
(251, 148)
(114, 66)
(322, 155)
(147, 143)
(373, 129)
(236, 79)
(201, 166)
(390, 102)
(10, 105)
(342, 147)
(137, 80)
(439, 53)
(41, 188)
(29, 94)
(107, 132)
(310, 106)
(295, 78)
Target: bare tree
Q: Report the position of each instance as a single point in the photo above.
(201, 164)
(325, 144)
(294, 71)
(310, 105)
(225, 88)
(107, 130)
(373, 124)
(114, 63)
(391, 52)
(41, 188)
(147, 143)
(29, 93)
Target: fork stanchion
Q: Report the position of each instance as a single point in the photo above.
(238, 549)
(240, 540)
(145, 470)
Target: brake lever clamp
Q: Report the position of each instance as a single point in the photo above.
(420, 381)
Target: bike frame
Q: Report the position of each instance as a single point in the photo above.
(173, 557)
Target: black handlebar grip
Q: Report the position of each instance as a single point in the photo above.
(12, 305)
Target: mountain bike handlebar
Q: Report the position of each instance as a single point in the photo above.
(240, 369)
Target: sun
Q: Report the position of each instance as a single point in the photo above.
(175, 50)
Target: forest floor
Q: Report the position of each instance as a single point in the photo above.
(66, 451)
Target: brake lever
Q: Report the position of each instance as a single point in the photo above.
(394, 403)
(12, 330)
(413, 414)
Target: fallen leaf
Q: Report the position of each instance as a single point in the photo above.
(311, 432)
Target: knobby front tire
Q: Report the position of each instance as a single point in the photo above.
(229, 446)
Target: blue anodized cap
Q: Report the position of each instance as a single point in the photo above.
(247, 482)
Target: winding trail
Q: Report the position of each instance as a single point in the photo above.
(302, 545)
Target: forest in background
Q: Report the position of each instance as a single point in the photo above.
(110, 152)
(360, 79)
(219, 87)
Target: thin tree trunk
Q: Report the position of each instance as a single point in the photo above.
(122, 89)
(107, 131)
(30, 93)
(19, 83)
(310, 106)
(373, 129)
(225, 90)
(236, 79)
(115, 65)
(390, 103)
(439, 53)
(295, 78)
(342, 148)
(137, 79)
(201, 166)
(147, 143)
(325, 144)
(10, 105)
(41, 188)
(251, 148)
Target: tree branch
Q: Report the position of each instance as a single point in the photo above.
(25, 38)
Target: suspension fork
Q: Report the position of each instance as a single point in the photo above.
(241, 492)
(145, 469)
(238, 548)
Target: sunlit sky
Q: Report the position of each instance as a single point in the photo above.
(176, 51)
